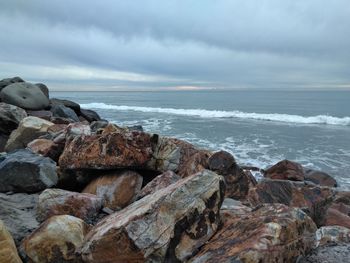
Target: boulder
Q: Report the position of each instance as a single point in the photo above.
(96, 125)
(24, 95)
(78, 128)
(122, 149)
(46, 148)
(332, 253)
(10, 117)
(67, 103)
(338, 212)
(271, 233)
(234, 207)
(18, 212)
(64, 112)
(332, 234)
(237, 181)
(320, 178)
(286, 170)
(312, 199)
(3, 141)
(8, 81)
(167, 226)
(8, 251)
(44, 89)
(60, 120)
(25, 171)
(61, 202)
(161, 181)
(117, 189)
(29, 128)
(136, 128)
(56, 240)
(57, 128)
(89, 115)
(42, 114)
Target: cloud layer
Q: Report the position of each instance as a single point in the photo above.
(165, 44)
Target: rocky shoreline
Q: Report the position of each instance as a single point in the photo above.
(75, 188)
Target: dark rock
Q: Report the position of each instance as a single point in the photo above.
(8, 81)
(44, 89)
(60, 120)
(96, 125)
(43, 114)
(332, 234)
(135, 128)
(46, 148)
(25, 171)
(320, 178)
(332, 253)
(3, 141)
(10, 117)
(338, 212)
(67, 103)
(64, 112)
(89, 115)
(24, 95)
(286, 170)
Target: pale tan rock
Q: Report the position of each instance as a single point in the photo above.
(8, 251)
(332, 234)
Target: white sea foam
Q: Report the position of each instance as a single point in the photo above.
(319, 119)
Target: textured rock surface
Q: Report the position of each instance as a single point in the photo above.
(338, 213)
(89, 115)
(107, 151)
(10, 117)
(8, 251)
(43, 114)
(61, 202)
(24, 95)
(67, 103)
(237, 181)
(64, 112)
(161, 181)
(332, 253)
(44, 89)
(56, 240)
(169, 224)
(46, 148)
(313, 199)
(8, 81)
(234, 207)
(272, 233)
(75, 129)
(25, 171)
(320, 178)
(286, 170)
(116, 189)
(29, 129)
(18, 212)
(332, 234)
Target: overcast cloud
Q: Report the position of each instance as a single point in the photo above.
(171, 44)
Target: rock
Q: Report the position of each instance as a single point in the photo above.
(67, 103)
(57, 128)
(286, 170)
(96, 125)
(237, 181)
(89, 115)
(235, 207)
(64, 112)
(46, 148)
(338, 212)
(116, 189)
(332, 234)
(18, 212)
(25, 171)
(161, 181)
(24, 95)
(332, 253)
(3, 141)
(44, 89)
(10, 117)
(8, 251)
(320, 178)
(60, 120)
(78, 128)
(135, 128)
(61, 202)
(8, 81)
(167, 226)
(178, 156)
(42, 114)
(122, 149)
(29, 129)
(272, 233)
(313, 199)
(56, 240)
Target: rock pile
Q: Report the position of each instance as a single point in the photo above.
(75, 188)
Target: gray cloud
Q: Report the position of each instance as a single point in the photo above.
(177, 43)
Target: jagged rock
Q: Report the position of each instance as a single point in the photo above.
(96, 125)
(320, 178)
(29, 129)
(332, 253)
(18, 212)
(44, 89)
(271, 233)
(60, 120)
(117, 189)
(10, 117)
(167, 226)
(46, 148)
(64, 112)
(8, 81)
(42, 114)
(57, 128)
(123, 149)
(313, 199)
(67, 103)
(235, 207)
(332, 234)
(78, 128)
(338, 212)
(8, 251)
(286, 170)
(237, 181)
(178, 156)
(89, 115)
(61, 202)
(58, 239)
(24, 95)
(161, 181)
(25, 171)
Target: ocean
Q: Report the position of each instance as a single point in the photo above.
(259, 127)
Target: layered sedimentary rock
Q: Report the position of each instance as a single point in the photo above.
(338, 212)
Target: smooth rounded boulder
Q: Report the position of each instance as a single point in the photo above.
(10, 117)
(9, 81)
(25, 95)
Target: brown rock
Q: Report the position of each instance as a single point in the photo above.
(117, 189)
(167, 226)
(57, 128)
(61, 202)
(320, 178)
(234, 208)
(286, 170)
(43, 114)
(58, 239)
(338, 213)
(46, 148)
(161, 181)
(272, 233)
(8, 251)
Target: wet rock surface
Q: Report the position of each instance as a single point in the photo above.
(286, 170)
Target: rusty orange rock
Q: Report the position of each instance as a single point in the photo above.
(8, 251)
(286, 170)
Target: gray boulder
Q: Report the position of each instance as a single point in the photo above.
(64, 112)
(89, 115)
(68, 103)
(43, 88)
(25, 171)
(24, 95)
(10, 117)
(8, 81)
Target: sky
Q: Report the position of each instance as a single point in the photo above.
(183, 44)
